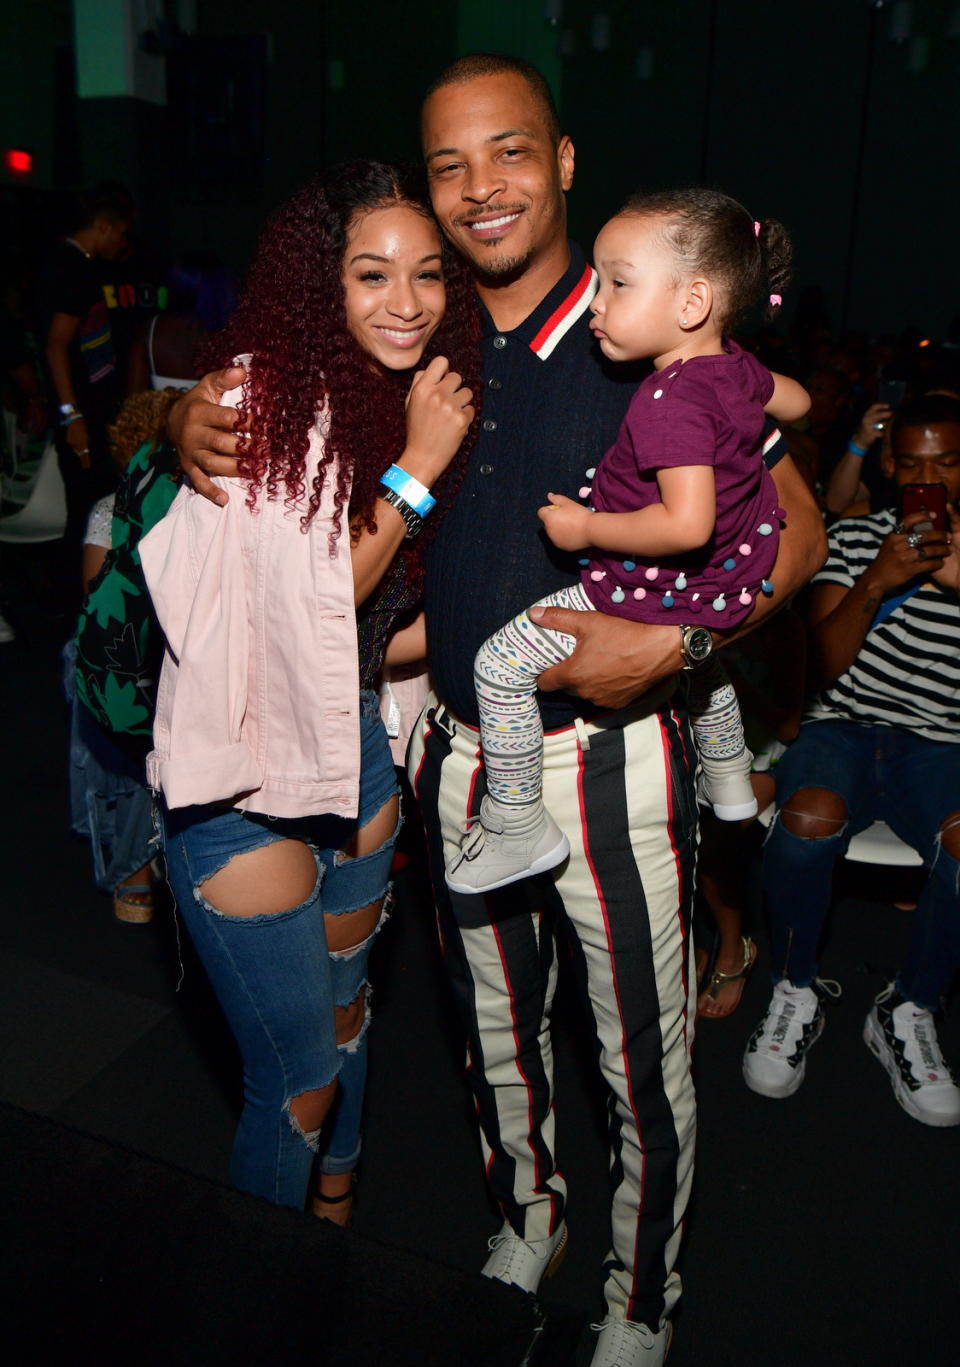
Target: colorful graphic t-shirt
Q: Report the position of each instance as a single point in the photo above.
(69, 284)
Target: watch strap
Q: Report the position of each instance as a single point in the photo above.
(411, 518)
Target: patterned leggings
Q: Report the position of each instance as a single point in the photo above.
(505, 677)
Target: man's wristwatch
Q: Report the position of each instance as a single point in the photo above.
(696, 645)
(411, 518)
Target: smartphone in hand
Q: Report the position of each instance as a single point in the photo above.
(925, 498)
(892, 393)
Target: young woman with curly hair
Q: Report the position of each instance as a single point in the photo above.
(281, 803)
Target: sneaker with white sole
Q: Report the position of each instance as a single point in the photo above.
(775, 1060)
(725, 786)
(503, 845)
(523, 1263)
(625, 1344)
(904, 1039)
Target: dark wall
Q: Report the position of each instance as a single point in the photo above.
(767, 101)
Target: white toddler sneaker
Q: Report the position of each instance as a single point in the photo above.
(505, 844)
(725, 785)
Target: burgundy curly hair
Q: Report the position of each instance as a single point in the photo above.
(292, 319)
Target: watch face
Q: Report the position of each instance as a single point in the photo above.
(699, 643)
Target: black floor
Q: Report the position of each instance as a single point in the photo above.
(824, 1229)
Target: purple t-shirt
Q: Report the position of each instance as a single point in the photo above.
(704, 411)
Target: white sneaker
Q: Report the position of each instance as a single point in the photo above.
(503, 845)
(725, 786)
(625, 1344)
(904, 1039)
(525, 1264)
(775, 1060)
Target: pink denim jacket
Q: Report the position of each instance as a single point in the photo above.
(259, 699)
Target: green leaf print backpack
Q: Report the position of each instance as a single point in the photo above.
(119, 642)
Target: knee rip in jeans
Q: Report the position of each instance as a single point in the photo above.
(949, 834)
(813, 814)
(948, 843)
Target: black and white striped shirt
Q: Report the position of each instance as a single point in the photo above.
(907, 672)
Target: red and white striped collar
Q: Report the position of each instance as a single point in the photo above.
(563, 317)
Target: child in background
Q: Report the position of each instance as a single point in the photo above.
(684, 519)
(111, 683)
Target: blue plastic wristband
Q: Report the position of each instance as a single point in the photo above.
(409, 489)
(856, 450)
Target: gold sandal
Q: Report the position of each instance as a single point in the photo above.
(718, 981)
(133, 903)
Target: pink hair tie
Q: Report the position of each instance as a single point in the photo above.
(756, 228)
(776, 300)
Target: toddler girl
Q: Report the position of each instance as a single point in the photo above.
(684, 520)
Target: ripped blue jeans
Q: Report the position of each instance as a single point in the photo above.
(883, 773)
(275, 979)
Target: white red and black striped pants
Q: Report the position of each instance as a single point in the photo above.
(622, 790)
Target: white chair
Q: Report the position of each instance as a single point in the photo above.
(19, 475)
(876, 845)
(44, 515)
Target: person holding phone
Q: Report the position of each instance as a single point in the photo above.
(881, 741)
(857, 477)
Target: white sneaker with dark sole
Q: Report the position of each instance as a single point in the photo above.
(904, 1038)
(625, 1344)
(775, 1061)
(523, 1263)
(503, 845)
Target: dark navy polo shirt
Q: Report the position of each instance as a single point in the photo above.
(552, 405)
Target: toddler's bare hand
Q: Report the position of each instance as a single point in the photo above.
(566, 522)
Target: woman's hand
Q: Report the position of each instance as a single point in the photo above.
(439, 413)
(203, 431)
(566, 522)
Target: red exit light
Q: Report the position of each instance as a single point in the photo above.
(17, 162)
